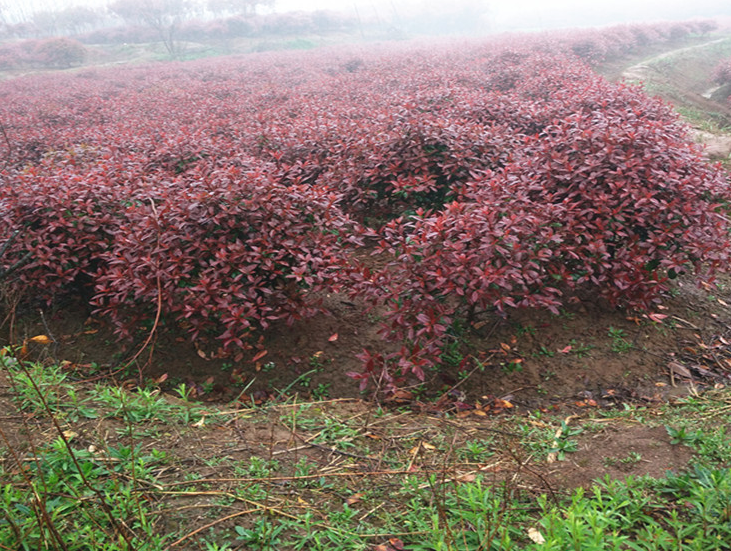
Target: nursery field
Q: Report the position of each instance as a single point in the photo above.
(246, 299)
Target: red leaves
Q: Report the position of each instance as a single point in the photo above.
(722, 72)
(488, 182)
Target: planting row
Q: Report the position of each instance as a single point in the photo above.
(228, 194)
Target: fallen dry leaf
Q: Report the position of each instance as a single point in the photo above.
(355, 498)
(401, 397)
(40, 339)
(657, 317)
(679, 369)
(333, 337)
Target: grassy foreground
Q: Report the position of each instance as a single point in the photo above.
(92, 466)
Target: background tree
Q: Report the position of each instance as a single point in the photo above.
(79, 19)
(237, 7)
(164, 16)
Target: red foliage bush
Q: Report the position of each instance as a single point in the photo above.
(610, 199)
(64, 222)
(722, 72)
(230, 253)
(60, 53)
(227, 193)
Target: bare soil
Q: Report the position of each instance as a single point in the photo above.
(618, 451)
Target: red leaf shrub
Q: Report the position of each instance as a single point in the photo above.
(498, 175)
(231, 252)
(722, 72)
(50, 53)
(59, 52)
(611, 199)
(64, 222)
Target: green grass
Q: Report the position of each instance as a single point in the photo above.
(367, 478)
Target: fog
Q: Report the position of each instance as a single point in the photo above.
(187, 26)
(530, 14)
(474, 15)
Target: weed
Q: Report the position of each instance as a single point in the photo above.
(632, 458)
(321, 391)
(316, 361)
(579, 349)
(566, 315)
(258, 467)
(476, 451)
(336, 433)
(620, 344)
(69, 496)
(262, 536)
(545, 352)
(512, 366)
(212, 546)
(522, 330)
(548, 374)
(682, 436)
(451, 356)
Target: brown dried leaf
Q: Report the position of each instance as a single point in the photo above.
(355, 498)
(396, 543)
(469, 477)
(679, 369)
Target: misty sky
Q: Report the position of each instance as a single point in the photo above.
(502, 14)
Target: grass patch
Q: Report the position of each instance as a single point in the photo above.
(106, 467)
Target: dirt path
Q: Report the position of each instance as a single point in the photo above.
(639, 71)
(682, 77)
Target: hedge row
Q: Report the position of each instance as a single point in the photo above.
(229, 193)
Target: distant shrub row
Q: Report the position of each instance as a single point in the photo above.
(51, 53)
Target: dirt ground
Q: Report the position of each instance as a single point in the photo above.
(588, 356)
